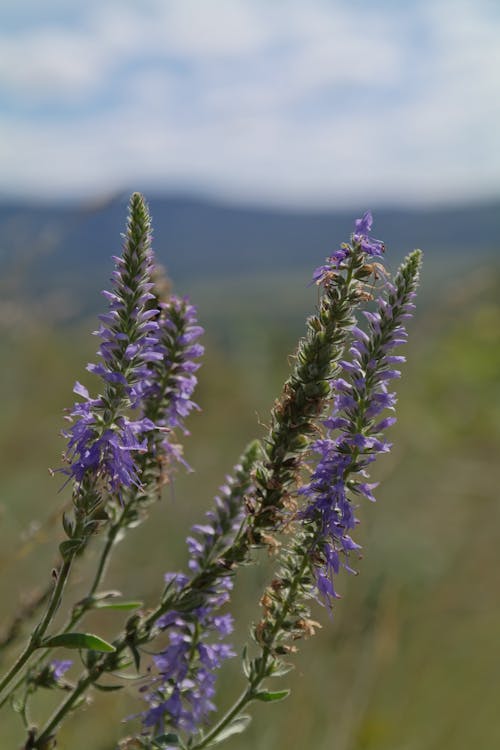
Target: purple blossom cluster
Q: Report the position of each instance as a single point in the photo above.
(360, 240)
(355, 433)
(103, 438)
(148, 356)
(166, 395)
(361, 236)
(179, 334)
(180, 695)
(209, 541)
(129, 330)
(105, 451)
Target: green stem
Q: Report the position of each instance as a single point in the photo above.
(79, 613)
(250, 693)
(235, 709)
(37, 636)
(63, 709)
(103, 560)
(292, 592)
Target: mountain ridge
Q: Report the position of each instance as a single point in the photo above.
(199, 239)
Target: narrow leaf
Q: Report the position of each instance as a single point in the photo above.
(117, 605)
(245, 663)
(107, 688)
(113, 594)
(281, 668)
(237, 726)
(270, 696)
(135, 655)
(67, 525)
(78, 640)
(69, 547)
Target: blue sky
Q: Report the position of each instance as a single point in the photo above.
(292, 102)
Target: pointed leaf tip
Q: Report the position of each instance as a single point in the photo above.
(87, 641)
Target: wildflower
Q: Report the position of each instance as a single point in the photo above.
(103, 438)
(355, 434)
(181, 691)
(51, 675)
(60, 667)
(361, 236)
(360, 241)
(307, 390)
(166, 395)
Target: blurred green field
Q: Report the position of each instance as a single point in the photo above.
(410, 659)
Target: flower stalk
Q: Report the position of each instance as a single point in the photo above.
(320, 537)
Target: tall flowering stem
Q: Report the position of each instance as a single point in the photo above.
(355, 428)
(163, 398)
(180, 694)
(304, 397)
(307, 390)
(286, 613)
(320, 538)
(103, 439)
(321, 542)
(166, 400)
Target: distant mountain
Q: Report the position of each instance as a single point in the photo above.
(199, 239)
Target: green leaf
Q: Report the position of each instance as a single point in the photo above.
(166, 740)
(281, 669)
(81, 701)
(237, 726)
(67, 525)
(135, 655)
(113, 594)
(125, 676)
(90, 527)
(117, 605)
(246, 663)
(269, 696)
(78, 640)
(69, 547)
(108, 688)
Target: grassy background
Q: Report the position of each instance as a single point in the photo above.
(410, 659)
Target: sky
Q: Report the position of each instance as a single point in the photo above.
(320, 103)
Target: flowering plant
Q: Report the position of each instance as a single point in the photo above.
(295, 491)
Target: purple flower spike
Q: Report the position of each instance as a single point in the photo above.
(181, 690)
(166, 394)
(355, 433)
(103, 439)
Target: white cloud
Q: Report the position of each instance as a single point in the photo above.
(285, 101)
